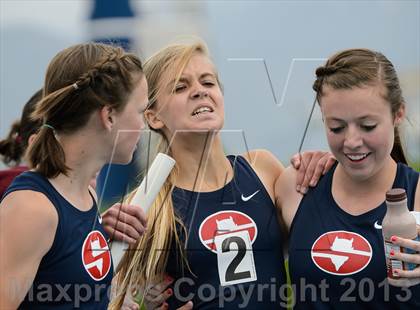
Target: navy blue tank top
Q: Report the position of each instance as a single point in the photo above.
(77, 270)
(240, 212)
(337, 260)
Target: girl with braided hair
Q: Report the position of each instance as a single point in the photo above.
(336, 248)
(54, 249)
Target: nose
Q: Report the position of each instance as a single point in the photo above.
(353, 138)
(200, 94)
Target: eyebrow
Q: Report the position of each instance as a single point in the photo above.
(359, 118)
(184, 78)
(207, 74)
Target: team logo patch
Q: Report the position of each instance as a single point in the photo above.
(96, 256)
(225, 222)
(341, 252)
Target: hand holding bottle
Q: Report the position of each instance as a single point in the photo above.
(408, 277)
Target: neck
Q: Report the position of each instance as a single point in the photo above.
(202, 163)
(359, 196)
(383, 179)
(84, 159)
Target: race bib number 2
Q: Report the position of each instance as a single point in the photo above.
(235, 259)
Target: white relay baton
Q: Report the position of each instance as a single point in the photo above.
(146, 195)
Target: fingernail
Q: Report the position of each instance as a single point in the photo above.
(304, 190)
(165, 305)
(392, 253)
(298, 188)
(393, 238)
(312, 183)
(169, 291)
(168, 278)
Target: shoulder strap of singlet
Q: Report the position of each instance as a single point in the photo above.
(407, 178)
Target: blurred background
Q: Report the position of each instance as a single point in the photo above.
(266, 53)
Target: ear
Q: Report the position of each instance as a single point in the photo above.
(31, 138)
(153, 119)
(107, 116)
(399, 115)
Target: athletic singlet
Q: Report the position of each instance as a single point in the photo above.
(240, 222)
(77, 270)
(337, 260)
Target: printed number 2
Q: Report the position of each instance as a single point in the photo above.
(235, 259)
(230, 272)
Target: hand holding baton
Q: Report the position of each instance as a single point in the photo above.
(145, 196)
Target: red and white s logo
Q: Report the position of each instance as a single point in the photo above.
(96, 256)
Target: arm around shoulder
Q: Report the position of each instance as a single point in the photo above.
(287, 197)
(28, 222)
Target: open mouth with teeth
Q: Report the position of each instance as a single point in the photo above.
(201, 111)
(357, 157)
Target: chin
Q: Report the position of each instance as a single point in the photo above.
(216, 128)
(361, 174)
(210, 125)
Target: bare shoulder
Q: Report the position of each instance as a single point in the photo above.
(28, 222)
(31, 215)
(287, 198)
(264, 160)
(266, 166)
(29, 201)
(286, 183)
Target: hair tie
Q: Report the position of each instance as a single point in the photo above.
(75, 86)
(18, 139)
(48, 126)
